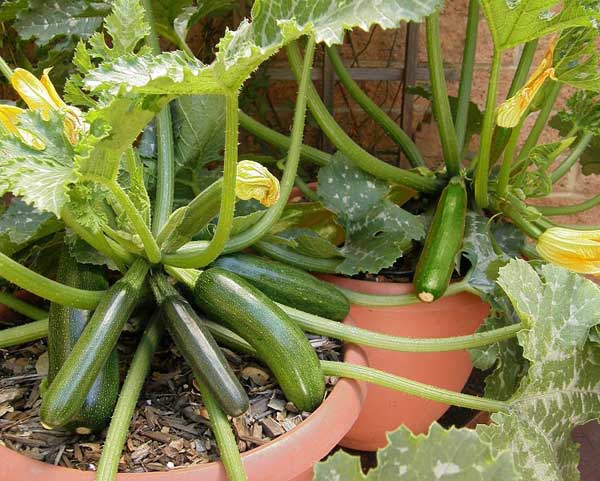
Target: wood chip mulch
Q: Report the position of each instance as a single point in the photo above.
(170, 427)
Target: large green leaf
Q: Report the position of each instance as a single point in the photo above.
(40, 177)
(45, 20)
(576, 58)
(562, 387)
(513, 22)
(452, 455)
(126, 26)
(240, 52)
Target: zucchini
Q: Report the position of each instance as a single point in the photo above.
(65, 325)
(288, 285)
(279, 342)
(66, 395)
(443, 243)
(197, 345)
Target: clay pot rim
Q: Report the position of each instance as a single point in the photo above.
(328, 413)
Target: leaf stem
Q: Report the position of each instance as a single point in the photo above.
(306, 190)
(483, 165)
(5, 69)
(148, 240)
(32, 331)
(466, 76)
(343, 332)
(441, 104)
(226, 442)
(572, 158)
(540, 122)
(22, 307)
(282, 253)
(373, 300)
(374, 111)
(362, 373)
(570, 209)
(505, 168)
(130, 392)
(351, 149)
(514, 209)
(282, 141)
(48, 289)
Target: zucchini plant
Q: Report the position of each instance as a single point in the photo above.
(115, 175)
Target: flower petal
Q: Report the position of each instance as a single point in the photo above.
(33, 92)
(254, 181)
(578, 251)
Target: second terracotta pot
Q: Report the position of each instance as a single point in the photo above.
(384, 410)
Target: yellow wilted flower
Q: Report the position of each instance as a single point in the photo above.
(9, 118)
(254, 181)
(510, 112)
(41, 95)
(576, 250)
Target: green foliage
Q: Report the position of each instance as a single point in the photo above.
(576, 58)
(513, 22)
(455, 454)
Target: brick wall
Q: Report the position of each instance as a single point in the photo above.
(386, 49)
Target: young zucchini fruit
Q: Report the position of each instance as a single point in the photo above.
(279, 342)
(197, 345)
(66, 395)
(288, 285)
(65, 325)
(443, 243)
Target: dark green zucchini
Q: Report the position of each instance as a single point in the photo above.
(65, 325)
(66, 395)
(443, 243)
(288, 285)
(197, 345)
(279, 342)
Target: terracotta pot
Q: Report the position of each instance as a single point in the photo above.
(290, 457)
(384, 410)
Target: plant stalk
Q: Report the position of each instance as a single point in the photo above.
(351, 149)
(130, 392)
(361, 373)
(505, 168)
(32, 331)
(46, 288)
(466, 75)
(441, 104)
(485, 145)
(374, 111)
(570, 209)
(572, 158)
(22, 307)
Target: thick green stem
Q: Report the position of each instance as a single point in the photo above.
(48, 289)
(189, 258)
(505, 169)
(374, 111)
(5, 69)
(130, 392)
(120, 257)
(514, 209)
(326, 327)
(573, 157)
(361, 373)
(351, 149)
(487, 131)
(542, 119)
(226, 442)
(32, 331)
(373, 300)
(165, 166)
(466, 75)
(501, 134)
(570, 209)
(306, 190)
(22, 307)
(441, 103)
(282, 253)
(282, 141)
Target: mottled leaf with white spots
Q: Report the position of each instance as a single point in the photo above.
(441, 455)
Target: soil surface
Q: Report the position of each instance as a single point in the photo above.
(170, 427)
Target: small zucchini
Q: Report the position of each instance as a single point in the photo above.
(443, 243)
(197, 345)
(288, 285)
(279, 342)
(66, 395)
(65, 325)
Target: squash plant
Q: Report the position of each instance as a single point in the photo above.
(84, 178)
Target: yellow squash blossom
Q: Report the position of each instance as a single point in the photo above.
(254, 181)
(509, 113)
(9, 118)
(576, 250)
(41, 95)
